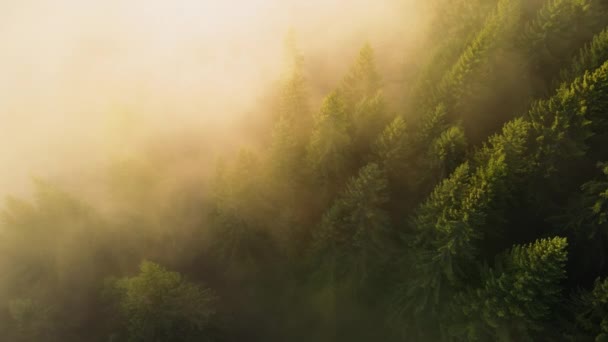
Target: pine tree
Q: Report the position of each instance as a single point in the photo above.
(560, 28)
(447, 152)
(237, 236)
(457, 93)
(564, 124)
(369, 118)
(454, 26)
(499, 27)
(365, 105)
(391, 149)
(431, 125)
(586, 219)
(591, 311)
(329, 149)
(294, 104)
(286, 156)
(363, 80)
(50, 245)
(350, 238)
(160, 305)
(517, 297)
(451, 222)
(33, 321)
(592, 56)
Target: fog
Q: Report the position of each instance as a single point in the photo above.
(303, 170)
(86, 82)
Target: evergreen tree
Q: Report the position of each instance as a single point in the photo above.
(363, 80)
(350, 238)
(586, 219)
(369, 118)
(391, 150)
(237, 237)
(160, 305)
(33, 321)
(365, 105)
(294, 105)
(560, 28)
(516, 298)
(350, 219)
(454, 26)
(329, 154)
(285, 154)
(450, 221)
(591, 310)
(55, 250)
(447, 152)
(500, 26)
(592, 56)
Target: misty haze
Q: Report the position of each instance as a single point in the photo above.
(293, 170)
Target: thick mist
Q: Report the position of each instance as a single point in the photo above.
(86, 83)
(270, 170)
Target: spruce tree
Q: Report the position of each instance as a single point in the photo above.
(329, 150)
(350, 239)
(294, 102)
(592, 56)
(160, 305)
(237, 236)
(516, 298)
(363, 80)
(591, 313)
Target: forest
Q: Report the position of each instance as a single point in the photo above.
(467, 203)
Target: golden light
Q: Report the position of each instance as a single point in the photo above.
(71, 67)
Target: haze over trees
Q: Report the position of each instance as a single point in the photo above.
(470, 206)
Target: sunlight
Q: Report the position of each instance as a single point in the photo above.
(303, 170)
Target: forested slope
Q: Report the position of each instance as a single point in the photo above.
(475, 209)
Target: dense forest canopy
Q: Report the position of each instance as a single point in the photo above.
(467, 201)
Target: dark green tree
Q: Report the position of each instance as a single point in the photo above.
(517, 298)
(352, 234)
(158, 305)
(591, 311)
(329, 150)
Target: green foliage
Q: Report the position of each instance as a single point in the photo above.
(515, 298)
(499, 26)
(363, 80)
(369, 118)
(364, 104)
(159, 305)
(48, 245)
(351, 224)
(559, 29)
(600, 190)
(293, 102)
(432, 124)
(391, 148)
(450, 221)
(592, 56)
(236, 216)
(592, 313)
(447, 151)
(352, 232)
(590, 214)
(454, 26)
(285, 153)
(33, 321)
(564, 123)
(329, 149)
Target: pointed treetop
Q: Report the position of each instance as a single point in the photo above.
(363, 80)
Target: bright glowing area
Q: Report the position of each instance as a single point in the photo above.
(71, 70)
(303, 170)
